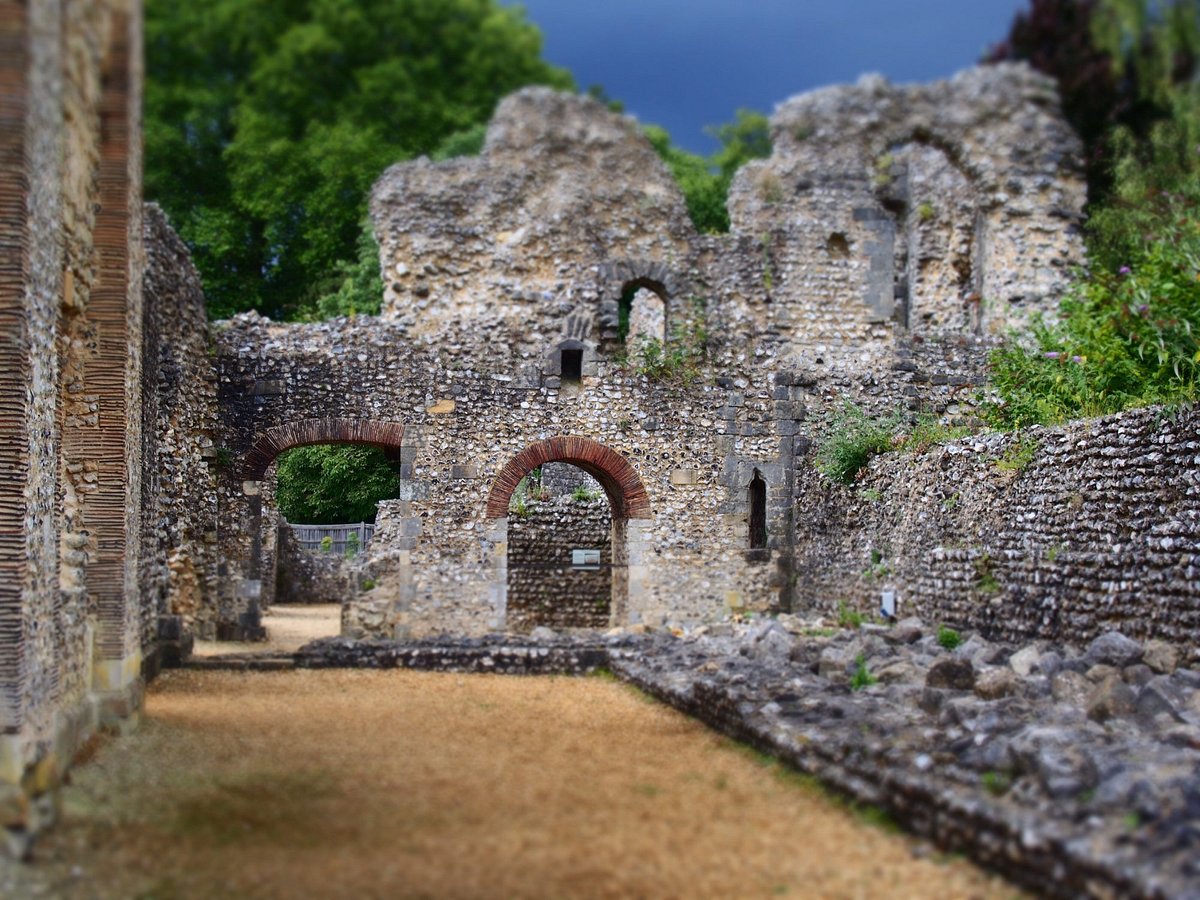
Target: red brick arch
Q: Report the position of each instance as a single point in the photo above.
(273, 441)
(618, 478)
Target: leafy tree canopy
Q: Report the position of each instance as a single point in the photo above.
(1129, 329)
(1117, 63)
(267, 122)
(705, 180)
(328, 484)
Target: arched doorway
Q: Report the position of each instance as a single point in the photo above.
(621, 556)
(251, 553)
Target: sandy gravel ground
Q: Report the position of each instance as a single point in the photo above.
(288, 629)
(362, 784)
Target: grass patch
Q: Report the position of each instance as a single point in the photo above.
(1018, 455)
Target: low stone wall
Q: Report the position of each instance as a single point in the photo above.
(1071, 784)
(501, 654)
(1059, 533)
(303, 576)
(543, 587)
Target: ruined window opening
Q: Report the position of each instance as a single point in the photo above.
(758, 512)
(838, 246)
(572, 366)
(642, 312)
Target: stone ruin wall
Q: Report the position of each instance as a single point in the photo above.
(71, 310)
(1059, 533)
(941, 213)
(436, 549)
(836, 283)
(179, 481)
(543, 587)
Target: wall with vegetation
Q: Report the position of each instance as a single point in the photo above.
(1060, 533)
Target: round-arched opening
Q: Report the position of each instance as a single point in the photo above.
(568, 532)
(559, 551)
(615, 475)
(642, 312)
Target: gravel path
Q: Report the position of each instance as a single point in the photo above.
(407, 784)
(288, 629)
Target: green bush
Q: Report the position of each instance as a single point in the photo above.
(704, 181)
(862, 677)
(847, 617)
(1129, 331)
(948, 638)
(326, 483)
(853, 438)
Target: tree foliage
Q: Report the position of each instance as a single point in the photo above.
(705, 181)
(1117, 64)
(1129, 330)
(267, 122)
(327, 484)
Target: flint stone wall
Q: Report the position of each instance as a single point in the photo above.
(179, 483)
(463, 417)
(310, 576)
(543, 587)
(70, 376)
(1061, 533)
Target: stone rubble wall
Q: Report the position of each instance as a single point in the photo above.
(310, 576)
(543, 588)
(1060, 533)
(958, 201)
(464, 416)
(71, 439)
(179, 479)
(942, 210)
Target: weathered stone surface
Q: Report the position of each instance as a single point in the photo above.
(1025, 661)
(1160, 656)
(994, 683)
(1070, 687)
(1113, 649)
(951, 673)
(1111, 697)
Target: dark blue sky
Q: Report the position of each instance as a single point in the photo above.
(685, 64)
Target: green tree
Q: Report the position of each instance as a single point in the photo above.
(267, 122)
(705, 181)
(330, 483)
(1117, 64)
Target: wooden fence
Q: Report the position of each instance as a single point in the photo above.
(341, 537)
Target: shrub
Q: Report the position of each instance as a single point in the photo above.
(853, 438)
(948, 638)
(929, 432)
(1018, 455)
(847, 617)
(862, 677)
(582, 495)
(326, 544)
(1129, 332)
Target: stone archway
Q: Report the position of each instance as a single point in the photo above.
(619, 479)
(628, 500)
(249, 587)
(274, 441)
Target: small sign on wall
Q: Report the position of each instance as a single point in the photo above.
(585, 560)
